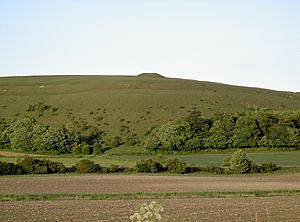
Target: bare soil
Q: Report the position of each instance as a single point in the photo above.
(196, 209)
(10, 154)
(135, 183)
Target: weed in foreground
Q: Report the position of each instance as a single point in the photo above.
(148, 213)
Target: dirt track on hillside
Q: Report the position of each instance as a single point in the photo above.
(11, 154)
(134, 183)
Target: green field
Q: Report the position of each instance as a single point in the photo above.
(135, 103)
(283, 159)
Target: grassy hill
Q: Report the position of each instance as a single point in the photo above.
(122, 103)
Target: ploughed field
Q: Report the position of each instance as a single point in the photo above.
(197, 209)
(283, 207)
(128, 183)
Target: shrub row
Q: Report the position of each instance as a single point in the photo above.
(172, 165)
(238, 163)
(31, 166)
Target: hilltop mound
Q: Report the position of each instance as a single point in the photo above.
(151, 75)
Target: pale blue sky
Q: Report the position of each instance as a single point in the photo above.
(242, 42)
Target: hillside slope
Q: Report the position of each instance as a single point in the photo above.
(123, 103)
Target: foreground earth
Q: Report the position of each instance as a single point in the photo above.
(140, 183)
(196, 209)
(276, 208)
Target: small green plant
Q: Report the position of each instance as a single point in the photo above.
(148, 213)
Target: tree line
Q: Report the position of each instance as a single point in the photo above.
(257, 128)
(27, 134)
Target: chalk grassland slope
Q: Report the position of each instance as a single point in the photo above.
(136, 103)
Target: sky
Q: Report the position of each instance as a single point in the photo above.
(250, 43)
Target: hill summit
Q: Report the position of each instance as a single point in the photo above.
(151, 75)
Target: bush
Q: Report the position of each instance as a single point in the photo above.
(254, 168)
(148, 166)
(212, 169)
(10, 169)
(36, 166)
(174, 165)
(114, 168)
(226, 161)
(268, 167)
(97, 148)
(116, 142)
(86, 149)
(131, 139)
(239, 162)
(87, 166)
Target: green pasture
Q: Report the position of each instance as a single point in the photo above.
(283, 159)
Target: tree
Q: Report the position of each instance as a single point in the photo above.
(172, 136)
(265, 118)
(239, 162)
(199, 127)
(281, 135)
(19, 133)
(247, 132)
(221, 132)
(56, 140)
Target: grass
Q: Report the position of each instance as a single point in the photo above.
(282, 159)
(139, 102)
(143, 195)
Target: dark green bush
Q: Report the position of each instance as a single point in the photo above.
(114, 168)
(86, 149)
(10, 169)
(148, 166)
(116, 141)
(212, 169)
(254, 168)
(268, 167)
(36, 166)
(174, 165)
(87, 166)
